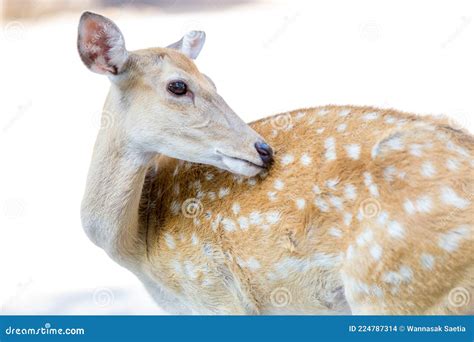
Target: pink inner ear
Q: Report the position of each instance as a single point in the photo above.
(95, 47)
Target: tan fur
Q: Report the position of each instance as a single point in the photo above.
(300, 234)
(364, 210)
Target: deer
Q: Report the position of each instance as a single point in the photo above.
(327, 210)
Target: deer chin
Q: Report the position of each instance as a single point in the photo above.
(241, 166)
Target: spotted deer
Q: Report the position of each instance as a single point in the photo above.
(351, 210)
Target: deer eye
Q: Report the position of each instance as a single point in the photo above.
(178, 87)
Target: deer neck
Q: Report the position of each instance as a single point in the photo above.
(111, 204)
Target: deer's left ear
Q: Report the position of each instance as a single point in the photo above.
(191, 44)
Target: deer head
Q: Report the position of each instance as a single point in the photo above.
(161, 103)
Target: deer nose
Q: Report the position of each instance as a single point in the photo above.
(265, 152)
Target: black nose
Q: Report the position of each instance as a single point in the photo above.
(265, 152)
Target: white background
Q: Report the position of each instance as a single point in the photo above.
(265, 57)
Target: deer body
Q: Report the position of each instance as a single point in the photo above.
(364, 211)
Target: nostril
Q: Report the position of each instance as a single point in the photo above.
(265, 152)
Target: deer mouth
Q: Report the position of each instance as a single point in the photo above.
(240, 165)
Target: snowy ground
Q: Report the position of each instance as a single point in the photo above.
(265, 57)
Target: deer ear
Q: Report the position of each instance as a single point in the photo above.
(101, 45)
(191, 44)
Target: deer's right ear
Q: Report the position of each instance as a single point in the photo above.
(101, 45)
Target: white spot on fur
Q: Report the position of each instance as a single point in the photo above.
(353, 151)
(428, 170)
(305, 159)
(336, 202)
(300, 203)
(350, 252)
(321, 204)
(323, 112)
(344, 112)
(416, 150)
(175, 207)
(330, 145)
(272, 217)
(389, 172)
(228, 224)
(279, 185)
(427, 261)
(272, 195)
(382, 218)
(396, 230)
(390, 119)
(458, 149)
(365, 237)
(332, 183)
(452, 164)
(169, 239)
(211, 195)
(404, 275)
(341, 128)
(316, 189)
(251, 181)
(253, 264)
(255, 218)
(423, 204)
(347, 219)
(369, 183)
(450, 197)
(287, 159)
(333, 231)
(236, 208)
(376, 251)
(194, 239)
(350, 192)
(209, 176)
(450, 241)
(243, 223)
(320, 130)
(190, 270)
(370, 116)
(394, 143)
(216, 222)
(223, 192)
